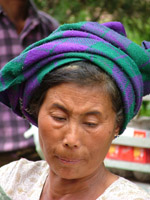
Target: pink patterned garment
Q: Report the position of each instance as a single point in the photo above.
(38, 25)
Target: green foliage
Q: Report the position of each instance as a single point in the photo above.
(145, 109)
(134, 14)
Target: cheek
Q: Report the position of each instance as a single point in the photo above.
(47, 141)
(44, 124)
(45, 132)
(45, 135)
(50, 135)
(99, 144)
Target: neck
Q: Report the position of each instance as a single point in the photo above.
(18, 12)
(91, 186)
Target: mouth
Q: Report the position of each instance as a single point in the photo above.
(68, 160)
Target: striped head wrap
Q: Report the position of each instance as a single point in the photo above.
(105, 45)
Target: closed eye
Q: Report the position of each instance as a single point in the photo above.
(60, 119)
(90, 124)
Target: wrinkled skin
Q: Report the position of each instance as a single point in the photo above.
(76, 127)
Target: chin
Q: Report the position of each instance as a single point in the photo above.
(68, 174)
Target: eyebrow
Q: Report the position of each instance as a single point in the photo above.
(56, 105)
(94, 112)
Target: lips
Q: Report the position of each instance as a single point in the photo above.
(68, 160)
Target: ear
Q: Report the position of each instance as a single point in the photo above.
(116, 131)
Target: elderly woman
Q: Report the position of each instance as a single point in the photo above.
(80, 86)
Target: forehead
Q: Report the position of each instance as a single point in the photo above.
(82, 98)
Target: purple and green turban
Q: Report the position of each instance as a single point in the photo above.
(105, 45)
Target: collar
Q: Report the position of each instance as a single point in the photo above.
(33, 11)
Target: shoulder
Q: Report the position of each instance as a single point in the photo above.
(48, 19)
(123, 189)
(22, 165)
(22, 174)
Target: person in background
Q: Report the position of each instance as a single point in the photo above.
(20, 25)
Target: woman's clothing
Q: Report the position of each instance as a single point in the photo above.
(122, 189)
(24, 180)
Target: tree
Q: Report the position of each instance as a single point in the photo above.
(134, 14)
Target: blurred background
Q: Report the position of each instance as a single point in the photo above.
(134, 14)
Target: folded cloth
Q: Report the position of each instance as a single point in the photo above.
(105, 45)
(146, 45)
(3, 195)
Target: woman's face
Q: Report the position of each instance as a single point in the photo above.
(76, 127)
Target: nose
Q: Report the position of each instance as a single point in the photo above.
(72, 137)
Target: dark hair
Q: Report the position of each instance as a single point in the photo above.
(82, 73)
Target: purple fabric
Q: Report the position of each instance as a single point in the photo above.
(102, 44)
